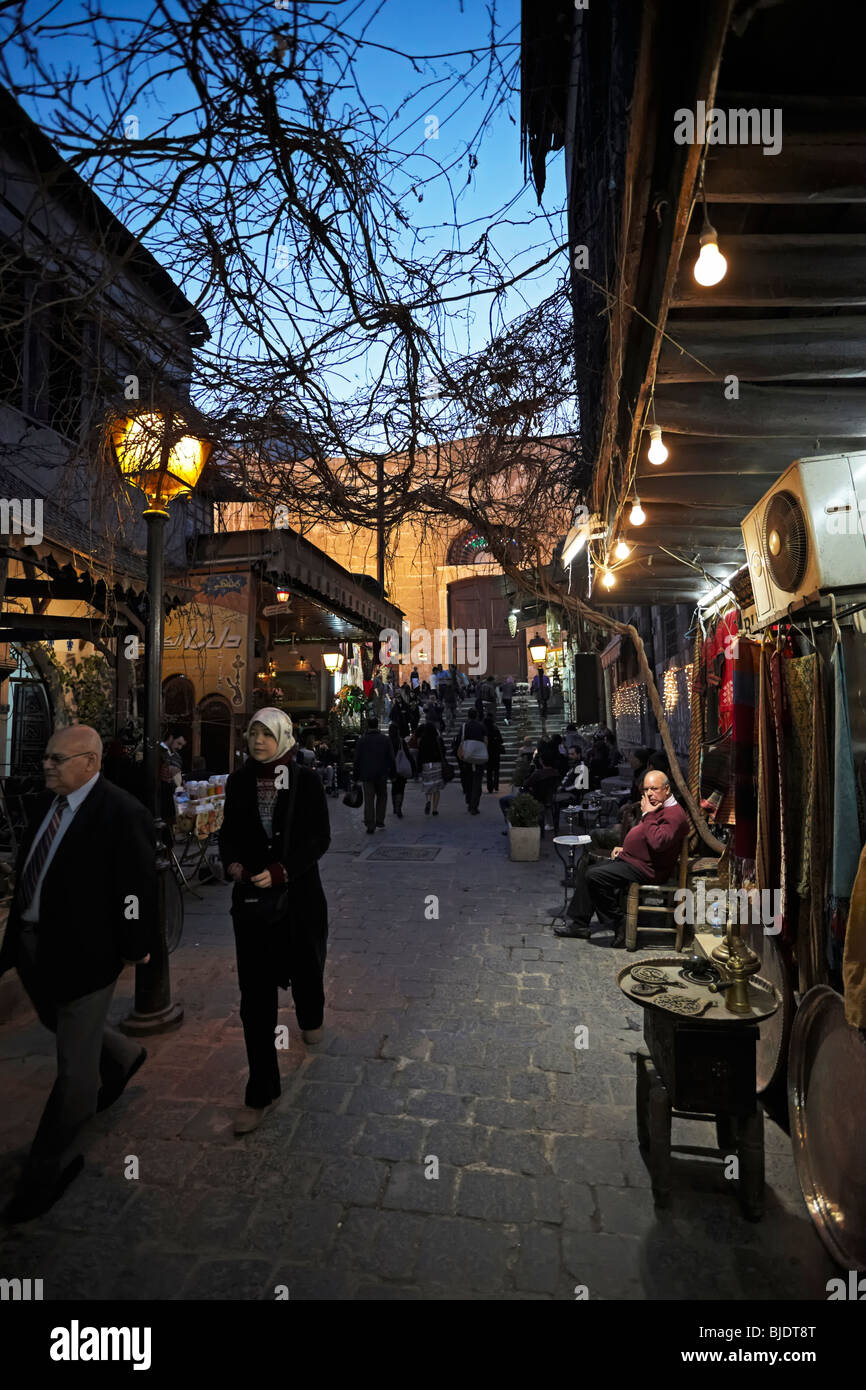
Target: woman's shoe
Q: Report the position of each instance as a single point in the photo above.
(311, 1036)
(249, 1117)
(426, 808)
(435, 813)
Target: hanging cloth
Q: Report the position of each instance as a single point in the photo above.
(808, 811)
(854, 961)
(846, 828)
(747, 675)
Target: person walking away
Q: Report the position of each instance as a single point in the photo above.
(431, 754)
(306, 754)
(495, 746)
(540, 688)
(415, 679)
(326, 767)
(374, 765)
(84, 905)
(506, 690)
(648, 854)
(275, 830)
(471, 733)
(398, 783)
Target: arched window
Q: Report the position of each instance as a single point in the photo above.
(471, 548)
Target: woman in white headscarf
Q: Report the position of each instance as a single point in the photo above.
(275, 830)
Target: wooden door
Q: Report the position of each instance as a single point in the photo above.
(479, 605)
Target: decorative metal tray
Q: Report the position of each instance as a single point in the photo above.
(771, 1059)
(827, 1105)
(659, 983)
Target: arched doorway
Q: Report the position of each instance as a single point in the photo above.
(178, 707)
(479, 604)
(214, 715)
(31, 720)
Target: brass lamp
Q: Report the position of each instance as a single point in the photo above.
(164, 460)
(158, 456)
(332, 661)
(538, 650)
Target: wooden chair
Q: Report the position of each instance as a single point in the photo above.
(662, 915)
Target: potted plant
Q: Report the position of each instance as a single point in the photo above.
(524, 827)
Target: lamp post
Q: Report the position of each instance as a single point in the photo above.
(538, 650)
(164, 461)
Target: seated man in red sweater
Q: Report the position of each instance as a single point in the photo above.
(648, 854)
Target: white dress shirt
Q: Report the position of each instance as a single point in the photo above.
(671, 801)
(74, 800)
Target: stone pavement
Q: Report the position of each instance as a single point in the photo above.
(447, 1140)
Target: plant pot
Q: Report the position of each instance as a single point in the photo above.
(524, 842)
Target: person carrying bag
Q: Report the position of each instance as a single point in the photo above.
(275, 830)
(471, 750)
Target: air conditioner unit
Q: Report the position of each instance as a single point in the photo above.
(807, 535)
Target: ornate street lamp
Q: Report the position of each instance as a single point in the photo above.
(164, 460)
(283, 595)
(538, 650)
(332, 661)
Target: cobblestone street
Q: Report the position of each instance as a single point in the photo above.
(448, 1039)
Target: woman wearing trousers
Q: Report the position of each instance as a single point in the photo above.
(274, 832)
(398, 783)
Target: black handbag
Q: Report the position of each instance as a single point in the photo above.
(354, 796)
(266, 907)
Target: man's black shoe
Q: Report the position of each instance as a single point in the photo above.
(370, 830)
(583, 932)
(109, 1094)
(618, 943)
(31, 1202)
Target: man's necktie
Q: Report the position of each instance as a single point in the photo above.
(35, 863)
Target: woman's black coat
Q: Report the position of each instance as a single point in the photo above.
(242, 840)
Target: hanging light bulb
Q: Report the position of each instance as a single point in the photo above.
(657, 450)
(711, 265)
(622, 551)
(637, 515)
(608, 579)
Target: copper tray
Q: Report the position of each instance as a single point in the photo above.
(771, 1060)
(762, 995)
(827, 1106)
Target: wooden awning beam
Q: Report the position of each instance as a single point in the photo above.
(764, 349)
(778, 272)
(800, 411)
(826, 167)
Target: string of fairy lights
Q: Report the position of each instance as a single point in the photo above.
(709, 269)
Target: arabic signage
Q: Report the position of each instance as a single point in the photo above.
(206, 640)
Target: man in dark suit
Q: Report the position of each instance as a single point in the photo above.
(374, 764)
(84, 905)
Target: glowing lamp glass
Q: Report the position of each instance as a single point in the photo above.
(538, 649)
(608, 579)
(637, 515)
(622, 551)
(283, 595)
(160, 472)
(711, 265)
(657, 450)
(332, 661)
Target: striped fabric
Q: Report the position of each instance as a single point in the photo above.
(38, 855)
